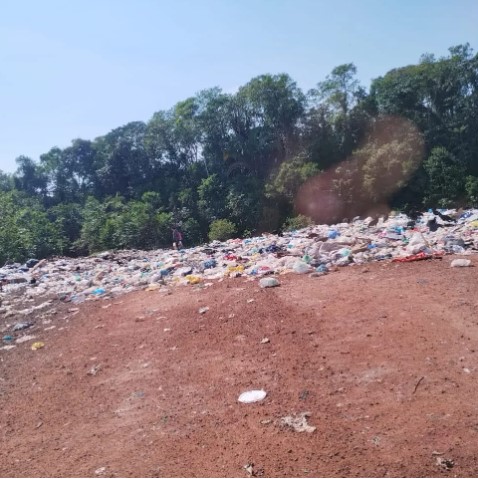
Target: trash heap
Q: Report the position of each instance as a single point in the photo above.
(314, 250)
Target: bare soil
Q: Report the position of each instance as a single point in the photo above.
(383, 357)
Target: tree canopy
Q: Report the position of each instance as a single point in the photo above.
(254, 158)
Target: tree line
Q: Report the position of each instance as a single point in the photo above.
(219, 164)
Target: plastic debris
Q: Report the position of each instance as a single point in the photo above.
(24, 339)
(314, 250)
(268, 283)
(7, 347)
(460, 263)
(203, 310)
(152, 287)
(20, 326)
(37, 345)
(94, 370)
(416, 257)
(300, 267)
(210, 263)
(254, 395)
(298, 423)
(193, 279)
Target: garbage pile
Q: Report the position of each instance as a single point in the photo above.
(314, 250)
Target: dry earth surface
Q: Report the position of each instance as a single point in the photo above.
(383, 357)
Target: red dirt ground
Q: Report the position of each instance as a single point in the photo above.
(383, 357)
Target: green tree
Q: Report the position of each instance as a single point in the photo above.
(212, 198)
(446, 178)
(222, 230)
(30, 177)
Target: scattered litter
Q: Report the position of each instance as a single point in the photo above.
(268, 283)
(153, 287)
(418, 384)
(250, 469)
(265, 340)
(254, 395)
(304, 395)
(315, 250)
(416, 257)
(203, 310)
(37, 345)
(21, 326)
(100, 471)
(24, 339)
(250, 300)
(298, 423)
(7, 347)
(466, 370)
(445, 463)
(460, 263)
(94, 370)
(300, 267)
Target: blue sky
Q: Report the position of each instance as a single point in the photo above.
(77, 69)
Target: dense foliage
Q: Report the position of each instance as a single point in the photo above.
(222, 164)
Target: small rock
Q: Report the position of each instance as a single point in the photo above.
(203, 310)
(265, 340)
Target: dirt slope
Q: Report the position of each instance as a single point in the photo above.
(383, 357)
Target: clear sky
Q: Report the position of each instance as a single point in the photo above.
(79, 68)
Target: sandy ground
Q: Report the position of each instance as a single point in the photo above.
(382, 357)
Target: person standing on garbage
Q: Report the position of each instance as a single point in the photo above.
(177, 239)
